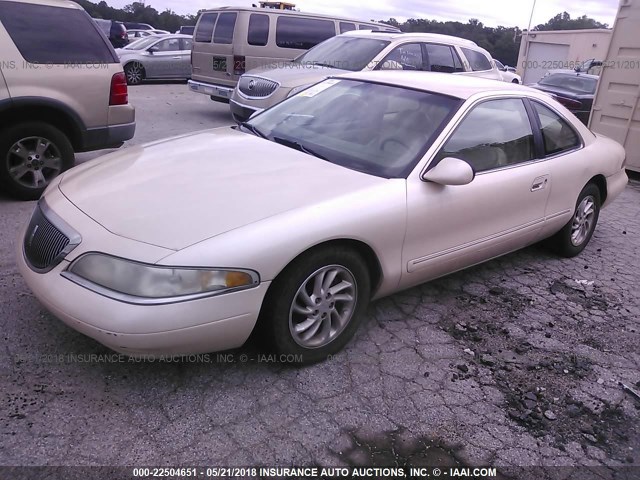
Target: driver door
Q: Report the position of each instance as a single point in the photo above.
(165, 60)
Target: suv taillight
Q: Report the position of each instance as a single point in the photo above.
(119, 95)
(239, 65)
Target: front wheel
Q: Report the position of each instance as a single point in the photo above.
(575, 235)
(316, 304)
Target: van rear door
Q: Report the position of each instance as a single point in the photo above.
(213, 60)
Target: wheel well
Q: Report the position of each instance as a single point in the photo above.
(50, 115)
(600, 182)
(144, 71)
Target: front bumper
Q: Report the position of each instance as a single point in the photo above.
(241, 112)
(185, 328)
(220, 93)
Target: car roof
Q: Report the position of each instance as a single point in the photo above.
(425, 37)
(459, 86)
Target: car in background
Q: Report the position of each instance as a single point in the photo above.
(157, 57)
(73, 106)
(591, 66)
(186, 30)
(575, 91)
(135, 33)
(229, 41)
(291, 223)
(116, 32)
(359, 51)
(507, 73)
(138, 26)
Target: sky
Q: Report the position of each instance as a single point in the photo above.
(492, 13)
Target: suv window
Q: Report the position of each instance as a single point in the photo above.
(224, 28)
(409, 56)
(477, 61)
(30, 25)
(495, 134)
(205, 27)
(258, 33)
(347, 27)
(442, 58)
(557, 135)
(303, 33)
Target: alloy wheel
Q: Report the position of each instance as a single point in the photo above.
(33, 162)
(583, 220)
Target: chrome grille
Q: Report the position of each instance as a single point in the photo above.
(256, 87)
(45, 245)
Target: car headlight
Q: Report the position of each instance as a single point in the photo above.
(154, 282)
(298, 89)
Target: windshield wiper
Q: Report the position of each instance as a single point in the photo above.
(298, 146)
(253, 129)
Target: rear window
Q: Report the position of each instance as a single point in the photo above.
(477, 61)
(302, 33)
(204, 31)
(30, 27)
(258, 30)
(224, 28)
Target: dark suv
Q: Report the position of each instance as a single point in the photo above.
(116, 32)
(59, 94)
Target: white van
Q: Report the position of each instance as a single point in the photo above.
(229, 41)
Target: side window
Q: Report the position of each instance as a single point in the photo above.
(302, 33)
(557, 135)
(224, 28)
(258, 33)
(204, 32)
(442, 58)
(30, 27)
(477, 61)
(186, 44)
(404, 57)
(347, 27)
(495, 134)
(169, 45)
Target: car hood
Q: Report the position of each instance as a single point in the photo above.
(291, 75)
(178, 192)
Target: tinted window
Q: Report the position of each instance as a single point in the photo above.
(347, 27)
(302, 33)
(404, 57)
(224, 28)
(477, 60)
(31, 28)
(494, 134)
(169, 45)
(258, 29)
(205, 27)
(557, 135)
(347, 53)
(442, 58)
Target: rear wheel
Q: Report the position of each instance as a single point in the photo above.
(32, 155)
(576, 234)
(316, 304)
(134, 72)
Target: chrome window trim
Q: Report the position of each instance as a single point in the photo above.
(247, 97)
(148, 301)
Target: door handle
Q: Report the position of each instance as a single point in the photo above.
(540, 183)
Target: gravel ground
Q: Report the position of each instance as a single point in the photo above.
(516, 362)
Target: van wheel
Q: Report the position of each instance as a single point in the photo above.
(134, 72)
(32, 154)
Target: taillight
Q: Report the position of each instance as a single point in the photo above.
(568, 102)
(119, 95)
(239, 65)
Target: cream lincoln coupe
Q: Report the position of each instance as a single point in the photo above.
(355, 188)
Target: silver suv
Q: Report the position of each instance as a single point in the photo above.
(60, 92)
(359, 51)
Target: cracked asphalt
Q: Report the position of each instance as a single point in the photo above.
(516, 362)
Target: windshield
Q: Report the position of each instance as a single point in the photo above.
(346, 53)
(573, 83)
(141, 43)
(377, 129)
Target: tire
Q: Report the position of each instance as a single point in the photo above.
(337, 319)
(575, 235)
(515, 80)
(134, 72)
(28, 153)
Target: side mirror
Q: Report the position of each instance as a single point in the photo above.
(450, 171)
(152, 50)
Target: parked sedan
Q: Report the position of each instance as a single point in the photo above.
(157, 57)
(575, 91)
(507, 73)
(351, 190)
